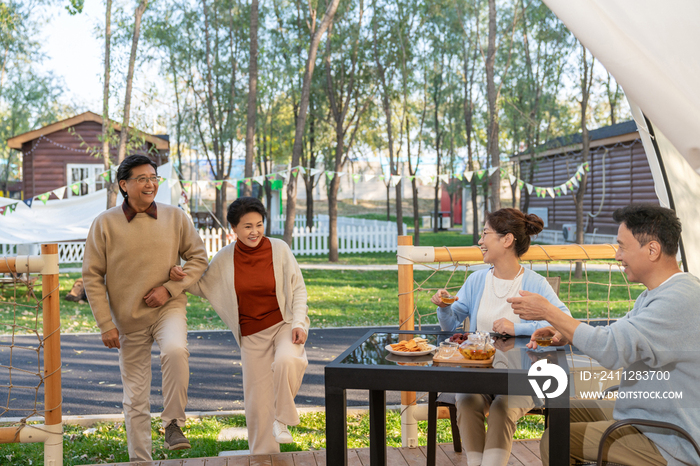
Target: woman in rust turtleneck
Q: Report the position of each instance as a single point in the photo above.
(256, 287)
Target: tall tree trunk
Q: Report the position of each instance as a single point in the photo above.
(106, 157)
(301, 120)
(252, 96)
(333, 197)
(586, 82)
(414, 186)
(491, 95)
(309, 180)
(124, 133)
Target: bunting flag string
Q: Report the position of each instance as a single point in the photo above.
(187, 185)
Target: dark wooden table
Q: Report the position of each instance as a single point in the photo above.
(365, 366)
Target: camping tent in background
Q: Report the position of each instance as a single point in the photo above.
(652, 49)
(68, 219)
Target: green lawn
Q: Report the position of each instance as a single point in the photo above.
(339, 298)
(106, 442)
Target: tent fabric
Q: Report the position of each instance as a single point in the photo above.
(652, 49)
(67, 219)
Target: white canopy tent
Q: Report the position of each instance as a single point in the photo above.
(652, 49)
(67, 219)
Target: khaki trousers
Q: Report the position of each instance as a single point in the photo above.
(170, 332)
(589, 420)
(490, 447)
(273, 369)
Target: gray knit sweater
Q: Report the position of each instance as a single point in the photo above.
(662, 334)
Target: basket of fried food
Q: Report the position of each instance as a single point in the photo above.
(413, 347)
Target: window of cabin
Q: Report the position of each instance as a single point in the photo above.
(88, 172)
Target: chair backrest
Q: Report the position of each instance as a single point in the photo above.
(555, 283)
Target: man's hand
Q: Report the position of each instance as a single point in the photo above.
(177, 274)
(530, 306)
(504, 326)
(435, 299)
(157, 297)
(111, 338)
(298, 336)
(557, 338)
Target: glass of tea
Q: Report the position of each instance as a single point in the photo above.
(449, 299)
(543, 341)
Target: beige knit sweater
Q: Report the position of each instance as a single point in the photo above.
(217, 285)
(124, 260)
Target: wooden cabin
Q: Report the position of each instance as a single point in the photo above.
(70, 150)
(619, 175)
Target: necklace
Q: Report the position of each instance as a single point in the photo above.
(510, 288)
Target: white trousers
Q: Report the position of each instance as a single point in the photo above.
(273, 369)
(489, 447)
(170, 332)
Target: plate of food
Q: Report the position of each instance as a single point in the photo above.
(413, 347)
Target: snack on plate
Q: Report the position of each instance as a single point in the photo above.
(411, 346)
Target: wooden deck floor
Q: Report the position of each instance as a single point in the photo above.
(524, 453)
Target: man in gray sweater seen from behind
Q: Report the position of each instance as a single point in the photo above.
(657, 345)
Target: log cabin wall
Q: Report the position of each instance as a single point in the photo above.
(617, 178)
(45, 162)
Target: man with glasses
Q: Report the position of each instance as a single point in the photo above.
(128, 255)
(656, 344)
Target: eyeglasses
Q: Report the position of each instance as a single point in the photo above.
(142, 179)
(483, 233)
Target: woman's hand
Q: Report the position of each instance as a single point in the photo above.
(436, 298)
(504, 327)
(177, 274)
(298, 336)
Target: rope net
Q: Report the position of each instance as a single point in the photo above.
(21, 350)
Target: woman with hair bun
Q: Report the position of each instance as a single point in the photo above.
(482, 298)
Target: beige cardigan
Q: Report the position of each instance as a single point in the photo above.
(218, 287)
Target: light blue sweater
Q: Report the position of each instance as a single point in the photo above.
(469, 297)
(658, 345)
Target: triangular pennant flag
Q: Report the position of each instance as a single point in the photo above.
(44, 197)
(302, 170)
(356, 177)
(521, 184)
(28, 202)
(411, 178)
(202, 184)
(368, 177)
(480, 174)
(105, 175)
(248, 182)
(529, 188)
(12, 207)
(341, 174)
(271, 175)
(259, 179)
(330, 175)
(432, 179)
(578, 176)
(218, 184)
(60, 192)
(459, 177)
(445, 178)
(395, 179)
(75, 187)
(162, 180)
(512, 179)
(172, 182)
(186, 185)
(587, 166)
(570, 185)
(557, 191)
(563, 188)
(3, 209)
(314, 171)
(295, 171)
(574, 181)
(468, 176)
(550, 191)
(492, 170)
(284, 174)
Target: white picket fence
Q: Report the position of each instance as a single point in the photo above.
(354, 236)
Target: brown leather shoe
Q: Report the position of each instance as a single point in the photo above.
(174, 438)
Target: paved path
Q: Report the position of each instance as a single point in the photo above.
(92, 385)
